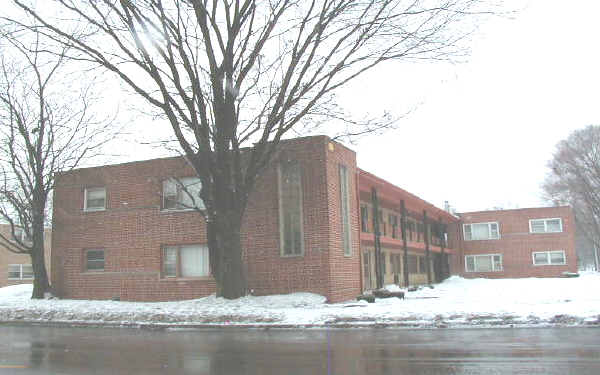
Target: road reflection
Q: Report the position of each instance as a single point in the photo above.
(44, 350)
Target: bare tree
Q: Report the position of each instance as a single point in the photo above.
(43, 130)
(228, 74)
(574, 179)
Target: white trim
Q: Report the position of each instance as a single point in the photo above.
(485, 255)
(85, 194)
(546, 225)
(489, 223)
(549, 258)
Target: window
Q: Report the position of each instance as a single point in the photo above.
(422, 265)
(545, 225)
(481, 231)
(364, 219)
(395, 260)
(345, 211)
(22, 236)
(182, 194)
(412, 264)
(186, 261)
(381, 222)
(290, 208)
(545, 258)
(94, 199)
(483, 263)
(94, 260)
(393, 220)
(384, 262)
(20, 272)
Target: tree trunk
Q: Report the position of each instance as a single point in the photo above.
(40, 276)
(226, 246)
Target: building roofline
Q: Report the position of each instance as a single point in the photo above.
(409, 194)
(513, 209)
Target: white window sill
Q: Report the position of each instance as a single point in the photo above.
(94, 209)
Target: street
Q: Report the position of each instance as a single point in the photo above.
(46, 350)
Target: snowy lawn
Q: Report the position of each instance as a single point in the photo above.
(454, 303)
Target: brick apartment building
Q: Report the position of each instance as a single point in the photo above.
(16, 268)
(126, 231)
(528, 242)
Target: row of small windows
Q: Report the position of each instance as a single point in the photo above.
(389, 225)
(177, 194)
(177, 261)
(491, 231)
(493, 262)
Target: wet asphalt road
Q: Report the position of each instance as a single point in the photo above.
(44, 350)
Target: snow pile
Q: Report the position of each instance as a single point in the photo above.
(455, 302)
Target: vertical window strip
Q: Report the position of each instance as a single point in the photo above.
(345, 210)
(290, 208)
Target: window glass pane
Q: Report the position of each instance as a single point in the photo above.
(14, 271)
(170, 261)
(493, 230)
(540, 258)
(483, 263)
(557, 257)
(553, 225)
(27, 270)
(537, 226)
(345, 211)
(95, 260)
(480, 231)
(190, 193)
(470, 264)
(194, 261)
(95, 198)
(412, 264)
(497, 263)
(467, 229)
(290, 191)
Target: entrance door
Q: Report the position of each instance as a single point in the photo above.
(367, 270)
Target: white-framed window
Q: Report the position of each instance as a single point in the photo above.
(291, 232)
(182, 194)
(547, 258)
(552, 225)
(94, 260)
(94, 199)
(483, 263)
(345, 210)
(22, 236)
(20, 272)
(186, 261)
(481, 231)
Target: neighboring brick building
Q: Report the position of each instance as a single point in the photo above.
(126, 231)
(16, 268)
(527, 242)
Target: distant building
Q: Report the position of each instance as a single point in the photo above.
(16, 268)
(126, 231)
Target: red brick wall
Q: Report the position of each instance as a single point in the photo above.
(133, 229)
(516, 244)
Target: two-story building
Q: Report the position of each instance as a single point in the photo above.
(527, 242)
(314, 223)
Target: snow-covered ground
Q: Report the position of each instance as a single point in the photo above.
(456, 302)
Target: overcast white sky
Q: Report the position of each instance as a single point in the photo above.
(483, 131)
